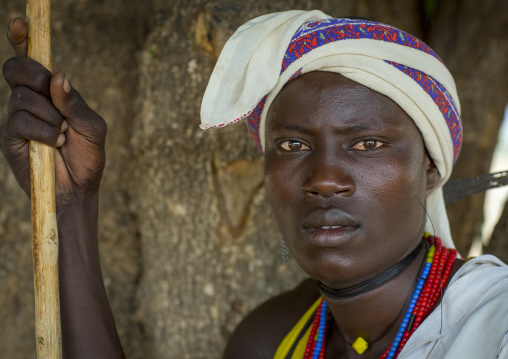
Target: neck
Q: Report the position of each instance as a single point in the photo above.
(369, 314)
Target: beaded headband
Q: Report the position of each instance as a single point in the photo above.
(267, 52)
(314, 34)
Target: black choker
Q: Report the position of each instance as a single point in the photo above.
(372, 283)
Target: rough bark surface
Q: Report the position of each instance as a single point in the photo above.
(472, 39)
(187, 241)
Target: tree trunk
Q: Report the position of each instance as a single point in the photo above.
(188, 245)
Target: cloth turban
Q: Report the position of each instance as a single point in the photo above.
(267, 52)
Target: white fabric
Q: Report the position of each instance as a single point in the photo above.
(473, 313)
(249, 67)
(246, 69)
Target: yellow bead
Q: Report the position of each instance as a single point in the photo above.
(360, 345)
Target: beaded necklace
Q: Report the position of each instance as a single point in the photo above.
(433, 278)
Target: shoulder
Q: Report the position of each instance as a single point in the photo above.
(262, 330)
(485, 271)
(475, 298)
(472, 319)
(479, 284)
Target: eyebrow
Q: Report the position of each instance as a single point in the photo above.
(343, 129)
(294, 128)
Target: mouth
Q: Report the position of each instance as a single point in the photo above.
(329, 228)
(331, 236)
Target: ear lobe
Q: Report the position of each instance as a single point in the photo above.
(432, 173)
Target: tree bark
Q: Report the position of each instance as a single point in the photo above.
(188, 245)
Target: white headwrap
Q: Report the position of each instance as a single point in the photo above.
(375, 55)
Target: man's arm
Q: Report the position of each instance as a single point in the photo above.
(44, 107)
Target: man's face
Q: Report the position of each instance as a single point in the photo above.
(344, 169)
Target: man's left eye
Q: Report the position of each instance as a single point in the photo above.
(366, 145)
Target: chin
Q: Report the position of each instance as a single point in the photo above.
(329, 266)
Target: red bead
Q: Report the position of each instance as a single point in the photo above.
(439, 273)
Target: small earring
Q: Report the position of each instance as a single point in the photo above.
(285, 250)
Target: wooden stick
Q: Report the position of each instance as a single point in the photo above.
(44, 226)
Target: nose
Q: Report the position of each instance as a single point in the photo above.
(328, 177)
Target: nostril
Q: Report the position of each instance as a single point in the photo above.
(329, 189)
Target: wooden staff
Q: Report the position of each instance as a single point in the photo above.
(44, 227)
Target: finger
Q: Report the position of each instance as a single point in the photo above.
(72, 106)
(18, 159)
(27, 72)
(25, 99)
(23, 126)
(18, 36)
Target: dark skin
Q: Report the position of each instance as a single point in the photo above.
(45, 107)
(344, 166)
(342, 178)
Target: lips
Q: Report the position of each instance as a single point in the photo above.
(329, 219)
(330, 227)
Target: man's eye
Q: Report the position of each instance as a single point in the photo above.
(293, 145)
(367, 145)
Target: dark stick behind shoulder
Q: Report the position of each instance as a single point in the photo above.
(460, 188)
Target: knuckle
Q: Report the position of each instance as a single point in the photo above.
(49, 135)
(102, 125)
(17, 101)
(7, 68)
(76, 103)
(41, 80)
(19, 95)
(98, 127)
(16, 124)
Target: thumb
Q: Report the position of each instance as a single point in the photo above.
(72, 106)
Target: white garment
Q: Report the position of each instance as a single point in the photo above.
(249, 68)
(473, 313)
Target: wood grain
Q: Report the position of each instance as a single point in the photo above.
(44, 224)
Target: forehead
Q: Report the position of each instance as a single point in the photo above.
(322, 98)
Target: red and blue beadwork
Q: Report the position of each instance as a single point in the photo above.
(314, 34)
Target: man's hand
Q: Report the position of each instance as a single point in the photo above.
(44, 107)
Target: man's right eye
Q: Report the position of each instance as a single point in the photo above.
(294, 145)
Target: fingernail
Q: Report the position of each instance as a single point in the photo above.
(65, 126)
(66, 84)
(10, 25)
(61, 140)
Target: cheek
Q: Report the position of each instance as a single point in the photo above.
(282, 188)
(276, 189)
(395, 190)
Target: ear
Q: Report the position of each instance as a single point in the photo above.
(432, 172)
